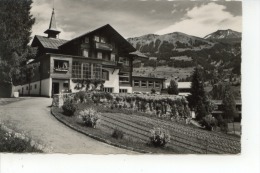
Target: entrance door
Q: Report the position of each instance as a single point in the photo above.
(55, 88)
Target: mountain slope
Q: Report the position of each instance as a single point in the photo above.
(226, 36)
(175, 41)
(215, 53)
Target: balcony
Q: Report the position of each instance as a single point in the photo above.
(104, 46)
(57, 69)
(61, 66)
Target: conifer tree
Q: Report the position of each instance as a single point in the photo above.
(197, 88)
(15, 30)
(198, 100)
(173, 88)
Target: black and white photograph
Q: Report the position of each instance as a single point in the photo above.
(121, 77)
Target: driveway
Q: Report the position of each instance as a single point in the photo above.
(32, 117)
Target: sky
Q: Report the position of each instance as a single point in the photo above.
(133, 18)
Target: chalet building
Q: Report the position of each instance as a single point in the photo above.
(146, 84)
(101, 54)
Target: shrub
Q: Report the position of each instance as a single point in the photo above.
(80, 96)
(173, 88)
(153, 91)
(13, 142)
(222, 123)
(209, 122)
(108, 96)
(90, 117)
(69, 108)
(159, 137)
(118, 134)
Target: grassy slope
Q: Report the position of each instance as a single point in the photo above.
(164, 72)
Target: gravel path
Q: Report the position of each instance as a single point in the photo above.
(32, 117)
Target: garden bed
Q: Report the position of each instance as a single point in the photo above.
(184, 139)
(104, 133)
(136, 116)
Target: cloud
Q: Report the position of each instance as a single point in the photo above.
(129, 18)
(205, 19)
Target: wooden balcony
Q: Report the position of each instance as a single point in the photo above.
(104, 46)
(56, 69)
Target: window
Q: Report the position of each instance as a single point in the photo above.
(85, 52)
(102, 40)
(143, 83)
(124, 77)
(108, 90)
(86, 40)
(76, 69)
(150, 84)
(97, 68)
(27, 88)
(86, 68)
(18, 91)
(122, 90)
(99, 55)
(60, 65)
(35, 86)
(113, 57)
(124, 61)
(30, 87)
(96, 38)
(157, 84)
(136, 83)
(105, 74)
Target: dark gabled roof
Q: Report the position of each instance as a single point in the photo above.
(110, 29)
(49, 43)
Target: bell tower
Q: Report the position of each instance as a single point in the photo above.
(52, 31)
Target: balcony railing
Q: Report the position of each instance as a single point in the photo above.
(59, 69)
(104, 46)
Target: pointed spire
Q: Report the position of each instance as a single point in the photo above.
(52, 31)
(53, 21)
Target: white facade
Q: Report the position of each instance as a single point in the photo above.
(46, 87)
(113, 81)
(126, 88)
(34, 88)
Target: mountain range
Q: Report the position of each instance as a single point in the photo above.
(220, 50)
(177, 41)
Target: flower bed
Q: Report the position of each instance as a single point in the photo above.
(16, 143)
(174, 108)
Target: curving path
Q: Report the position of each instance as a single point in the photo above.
(33, 118)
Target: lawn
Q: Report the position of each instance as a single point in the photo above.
(164, 72)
